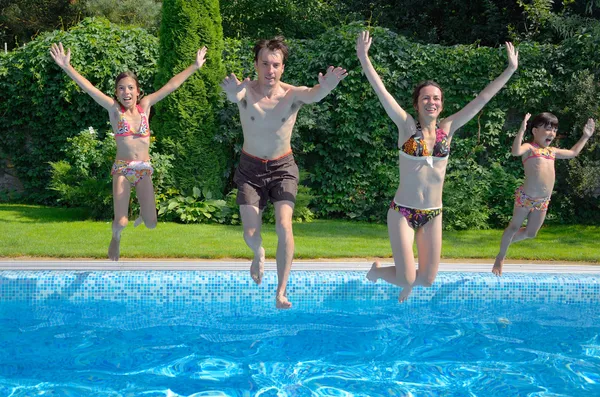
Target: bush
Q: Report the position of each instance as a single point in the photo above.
(141, 13)
(299, 19)
(199, 207)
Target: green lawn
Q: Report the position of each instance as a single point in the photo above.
(64, 233)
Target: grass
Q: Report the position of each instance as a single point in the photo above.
(34, 231)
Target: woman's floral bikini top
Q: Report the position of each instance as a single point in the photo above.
(124, 129)
(537, 151)
(416, 147)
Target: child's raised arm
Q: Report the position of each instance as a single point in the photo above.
(519, 149)
(63, 60)
(175, 82)
(588, 131)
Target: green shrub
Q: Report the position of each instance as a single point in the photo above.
(141, 13)
(199, 207)
(299, 19)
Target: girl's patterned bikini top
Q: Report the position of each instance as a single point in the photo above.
(416, 147)
(124, 129)
(536, 151)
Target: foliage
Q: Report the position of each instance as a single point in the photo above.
(444, 21)
(83, 178)
(142, 13)
(41, 106)
(22, 20)
(437, 21)
(199, 207)
(300, 19)
(550, 21)
(185, 120)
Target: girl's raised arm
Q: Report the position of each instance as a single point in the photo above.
(176, 81)
(519, 149)
(63, 60)
(588, 131)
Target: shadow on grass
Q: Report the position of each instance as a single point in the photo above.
(20, 213)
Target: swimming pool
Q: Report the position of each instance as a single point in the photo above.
(213, 333)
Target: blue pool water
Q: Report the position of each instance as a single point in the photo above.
(215, 334)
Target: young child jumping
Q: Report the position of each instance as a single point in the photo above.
(533, 196)
(128, 115)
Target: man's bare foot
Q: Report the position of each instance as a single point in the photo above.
(114, 248)
(404, 294)
(371, 274)
(282, 302)
(497, 269)
(257, 268)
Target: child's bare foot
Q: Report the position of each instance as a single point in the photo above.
(404, 294)
(282, 302)
(114, 248)
(497, 269)
(371, 274)
(258, 266)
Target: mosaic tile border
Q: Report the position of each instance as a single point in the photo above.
(306, 288)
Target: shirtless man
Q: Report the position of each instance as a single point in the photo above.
(267, 170)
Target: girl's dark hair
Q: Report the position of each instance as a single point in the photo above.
(545, 119)
(421, 85)
(134, 77)
(276, 43)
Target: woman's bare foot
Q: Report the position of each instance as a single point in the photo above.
(114, 248)
(282, 302)
(371, 274)
(404, 294)
(497, 269)
(257, 267)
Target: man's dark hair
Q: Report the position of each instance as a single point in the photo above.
(276, 43)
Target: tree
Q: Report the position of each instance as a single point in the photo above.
(186, 121)
(22, 20)
(144, 13)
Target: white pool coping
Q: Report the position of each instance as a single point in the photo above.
(271, 266)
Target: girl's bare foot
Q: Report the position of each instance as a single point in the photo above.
(114, 248)
(257, 267)
(282, 302)
(497, 269)
(404, 294)
(372, 274)
(138, 221)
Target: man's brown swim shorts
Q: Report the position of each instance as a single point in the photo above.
(260, 180)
